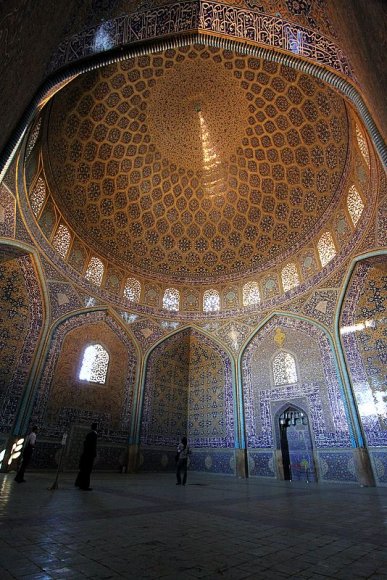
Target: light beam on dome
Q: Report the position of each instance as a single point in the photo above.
(213, 180)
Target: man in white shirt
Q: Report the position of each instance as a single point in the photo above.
(27, 454)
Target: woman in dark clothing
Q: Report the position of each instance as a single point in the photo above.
(182, 461)
(86, 460)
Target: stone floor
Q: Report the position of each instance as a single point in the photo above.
(144, 527)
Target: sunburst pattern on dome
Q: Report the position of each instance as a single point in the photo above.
(195, 163)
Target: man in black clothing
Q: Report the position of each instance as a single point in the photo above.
(86, 460)
(27, 454)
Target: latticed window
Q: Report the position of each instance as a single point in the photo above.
(132, 289)
(362, 145)
(211, 301)
(290, 278)
(171, 299)
(95, 364)
(37, 197)
(355, 204)
(33, 137)
(251, 294)
(61, 241)
(94, 271)
(326, 248)
(284, 369)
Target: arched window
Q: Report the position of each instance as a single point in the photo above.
(326, 248)
(290, 278)
(355, 204)
(171, 299)
(211, 301)
(362, 145)
(94, 271)
(95, 364)
(284, 369)
(132, 289)
(61, 241)
(37, 197)
(251, 294)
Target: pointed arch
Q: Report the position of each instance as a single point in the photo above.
(329, 372)
(68, 332)
(184, 351)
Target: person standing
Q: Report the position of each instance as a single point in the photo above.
(86, 460)
(183, 451)
(27, 454)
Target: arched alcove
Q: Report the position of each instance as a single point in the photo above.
(188, 390)
(67, 403)
(317, 391)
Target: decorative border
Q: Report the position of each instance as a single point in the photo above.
(202, 17)
(18, 382)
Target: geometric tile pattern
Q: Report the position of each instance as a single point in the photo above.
(165, 182)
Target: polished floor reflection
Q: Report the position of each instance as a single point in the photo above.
(144, 527)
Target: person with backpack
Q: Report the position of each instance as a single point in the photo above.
(183, 451)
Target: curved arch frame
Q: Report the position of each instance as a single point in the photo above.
(245, 46)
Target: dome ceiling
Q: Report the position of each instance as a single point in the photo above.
(195, 163)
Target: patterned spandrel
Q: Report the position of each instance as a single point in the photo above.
(211, 301)
(251, 294)
(171, 299)
(132, 289)
(326, 248)
(62, 240)
(290, 278)
(284, 369)
(362, 145)
(95, 364)
(38, 196)
(94, 271)
(355, 204)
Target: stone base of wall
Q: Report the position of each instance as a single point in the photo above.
(333, 465)
(204, 460)
(109, 457)
(379, 464)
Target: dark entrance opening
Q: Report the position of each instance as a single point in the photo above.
(296, 445)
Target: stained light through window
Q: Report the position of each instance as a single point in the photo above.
(132, 289)
(355, 204)
(171, 299)
(284, 369)
(251, 294)
(61, 241)
(95, 364)
(211, 301)
(38, 195)
(94, 271)
(326, 248)
(362, 145)
(290, 278)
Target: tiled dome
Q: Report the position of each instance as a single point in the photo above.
(195, 163)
